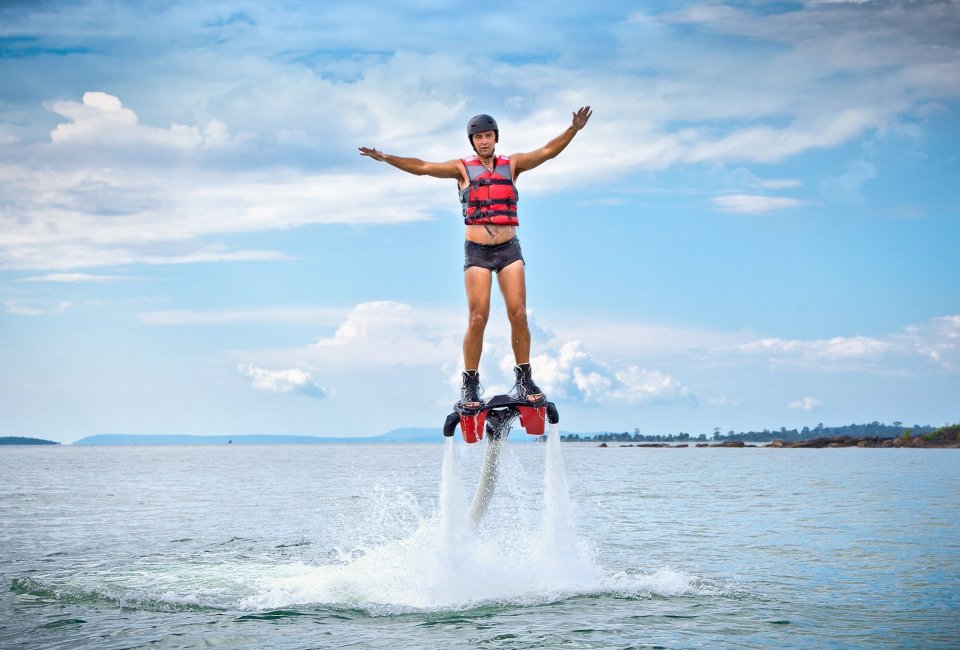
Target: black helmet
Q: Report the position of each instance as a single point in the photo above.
(481, 123)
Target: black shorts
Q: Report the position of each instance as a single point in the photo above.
(494, 257)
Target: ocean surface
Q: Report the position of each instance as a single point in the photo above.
(370, 546)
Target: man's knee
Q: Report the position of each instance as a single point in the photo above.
(478, 320)
(517, 316)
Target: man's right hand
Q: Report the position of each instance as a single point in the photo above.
(373, 153)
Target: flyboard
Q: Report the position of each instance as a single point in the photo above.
(496, 416)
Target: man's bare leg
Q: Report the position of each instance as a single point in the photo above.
(478, 282)
(513, 286)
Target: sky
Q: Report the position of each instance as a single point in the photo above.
(757, 229)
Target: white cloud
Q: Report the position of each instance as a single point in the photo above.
(293, 381)
(806, 403)
(844, 35)
(101, 121)
(75, 278)
(771, 144)
(404, 353)
(641, 386)
(947, 327)
(817, 352)
(19, 308)
(381, 334)
(571, 373)
(742, 180)
(386, 339)
(937, 341)
(833, 72)
(780, 183)
(611, 338)
(63, 214)
(753, 204)
(99, 115)
(723, 401)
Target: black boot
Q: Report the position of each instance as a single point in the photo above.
(525, 390)
(470, 391)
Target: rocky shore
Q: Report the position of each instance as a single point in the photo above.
(844, 441)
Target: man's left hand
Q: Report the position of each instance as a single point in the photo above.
(581, 116)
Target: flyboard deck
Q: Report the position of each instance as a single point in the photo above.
(498, 413)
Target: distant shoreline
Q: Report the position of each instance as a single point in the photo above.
(947, 437)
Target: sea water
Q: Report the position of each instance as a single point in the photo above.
(361, 545)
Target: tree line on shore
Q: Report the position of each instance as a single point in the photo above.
(20, 440)
(873, 429)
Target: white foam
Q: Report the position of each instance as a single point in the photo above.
(527, 551)
(444, 564)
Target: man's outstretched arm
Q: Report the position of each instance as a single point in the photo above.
(526, 161)
(449, 169)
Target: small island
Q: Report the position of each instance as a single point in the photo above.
(19, 440)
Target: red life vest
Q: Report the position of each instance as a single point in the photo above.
(491, 197)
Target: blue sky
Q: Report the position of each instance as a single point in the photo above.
(758, 228)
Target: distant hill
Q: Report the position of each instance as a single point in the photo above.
(408, 434)
(17, 440)
(176, 439)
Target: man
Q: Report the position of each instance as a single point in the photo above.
(489, 200)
